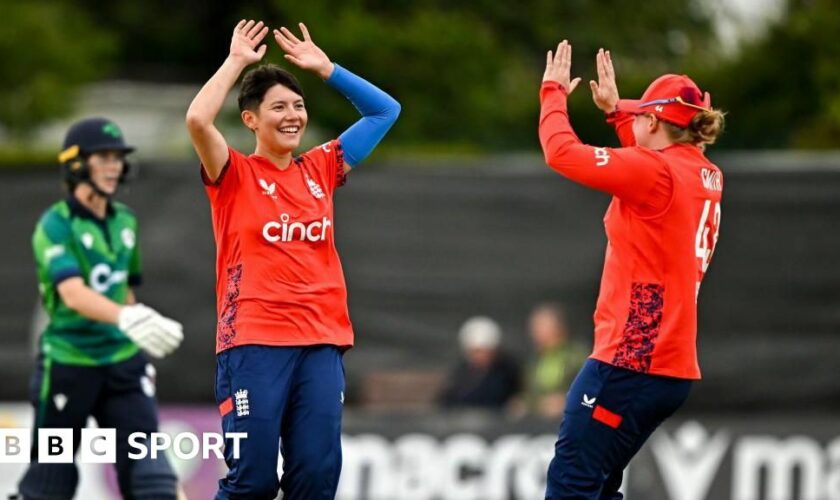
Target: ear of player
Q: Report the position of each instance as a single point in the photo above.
(156, 334)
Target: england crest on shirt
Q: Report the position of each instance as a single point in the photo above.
(314, 188)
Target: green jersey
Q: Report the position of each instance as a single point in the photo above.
(71, 241)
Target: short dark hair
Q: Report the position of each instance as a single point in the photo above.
(257, 82)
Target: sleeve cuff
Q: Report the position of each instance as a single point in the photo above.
(554, 85)
(65, 275)
(207, 181)
(617, 115)
(337, 76)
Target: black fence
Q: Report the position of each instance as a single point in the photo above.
(424, 246)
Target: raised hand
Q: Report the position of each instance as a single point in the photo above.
(304, 53)
(604, 91)
(246, 37)
(558, 67)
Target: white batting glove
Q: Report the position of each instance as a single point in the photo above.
(155, 334)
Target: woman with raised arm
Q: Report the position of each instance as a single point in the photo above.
(662, 227)
(283, 323)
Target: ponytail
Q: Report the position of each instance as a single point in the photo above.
(704, 128)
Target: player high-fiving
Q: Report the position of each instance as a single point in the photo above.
(662, 228)
(605, 90)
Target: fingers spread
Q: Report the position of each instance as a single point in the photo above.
(305, 32)
(260, 35)
(239, 26)
(255, 29)
(284, 43)
(289, 35)
(293, 59)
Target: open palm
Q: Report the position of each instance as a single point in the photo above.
(303, 53)
(558, 67)
(605, 90)
(246, 37)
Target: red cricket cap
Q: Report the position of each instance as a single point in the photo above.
(672, 98)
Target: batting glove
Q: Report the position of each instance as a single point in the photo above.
(155, 334)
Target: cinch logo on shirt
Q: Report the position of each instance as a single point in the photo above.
(102, 277)
(603, 157)
(284, 231)
(711, 179)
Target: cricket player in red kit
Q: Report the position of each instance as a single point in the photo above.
(283, 324)
(662, 228)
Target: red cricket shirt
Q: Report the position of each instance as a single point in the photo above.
(662, 227)
(278, 276)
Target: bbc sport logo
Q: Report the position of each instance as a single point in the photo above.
(99, 446)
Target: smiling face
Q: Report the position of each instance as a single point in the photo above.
(105, 170)
(279, 121)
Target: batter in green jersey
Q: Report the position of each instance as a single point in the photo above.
(92, 359)
(71, 241)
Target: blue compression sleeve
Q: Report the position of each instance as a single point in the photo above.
(379, 112)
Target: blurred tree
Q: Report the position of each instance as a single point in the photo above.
(48, 49)
(468, 72)
(166, 41)
(783, 90)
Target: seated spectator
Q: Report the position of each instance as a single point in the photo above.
(485, 377)
(550, 374)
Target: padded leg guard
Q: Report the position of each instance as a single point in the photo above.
(149, 479)
(49, 482)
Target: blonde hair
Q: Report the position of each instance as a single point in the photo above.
(704, 128)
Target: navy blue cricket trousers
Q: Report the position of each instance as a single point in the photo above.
(119, 396)
(610, 413)
(287, 395)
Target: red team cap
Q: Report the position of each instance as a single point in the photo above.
(672, 98)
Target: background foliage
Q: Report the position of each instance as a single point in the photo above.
(466, 72)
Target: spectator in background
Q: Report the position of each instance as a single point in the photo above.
(557, 361)
(485, 377)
